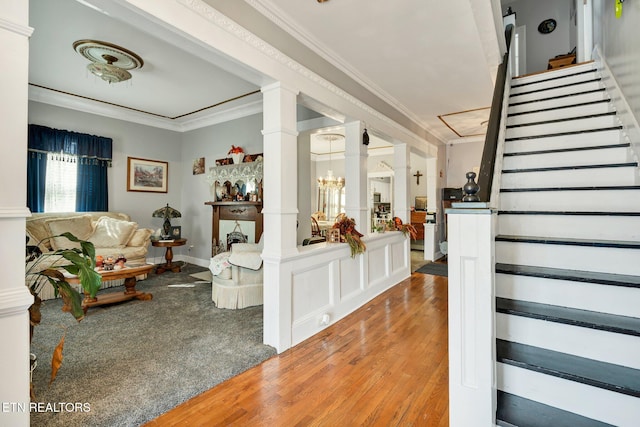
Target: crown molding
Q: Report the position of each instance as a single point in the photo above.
(23, 30)
(183, 124)
(282, 20)
(242, 34)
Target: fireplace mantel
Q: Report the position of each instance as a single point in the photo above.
(234, 211)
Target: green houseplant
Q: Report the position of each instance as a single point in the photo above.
(42, 268)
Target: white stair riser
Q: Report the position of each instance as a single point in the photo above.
(592, 402)
(573, 177)
(542, 77)
(562, 113)
(589, 139)
(587, 200)
(544, 84)
(560, 91)
(571, 226)
(575, 125)
(584, 258)
(570, 158)
(621, 300)
(551, 103)
(584, 342)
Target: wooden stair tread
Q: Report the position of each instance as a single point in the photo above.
(610, 279)
(566, 150)
(575, 167)
(569, 241)
(571, 316)
(587, 188)
(560, 107)
(518, 411)
(561, 134)
(566, 119)
(595, 373)
(570, 213)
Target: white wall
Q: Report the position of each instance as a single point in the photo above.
(542, 47)
(618, 40)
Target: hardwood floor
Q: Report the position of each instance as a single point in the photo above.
(384, 365)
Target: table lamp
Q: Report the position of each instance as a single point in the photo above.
(166, 212)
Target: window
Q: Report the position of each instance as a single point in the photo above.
(60, 189)
(67, 171)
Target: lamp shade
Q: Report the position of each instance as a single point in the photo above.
(166, 212)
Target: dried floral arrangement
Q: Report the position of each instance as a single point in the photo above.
(349, 234)
(396, 224)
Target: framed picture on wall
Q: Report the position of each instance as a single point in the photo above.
(147, 175)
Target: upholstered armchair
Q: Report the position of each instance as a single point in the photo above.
(237, 276)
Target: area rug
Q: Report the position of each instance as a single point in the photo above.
(435, 269)
(127, 363)
(204, 275)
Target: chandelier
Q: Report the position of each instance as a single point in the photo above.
(330, 181)
(110, 62)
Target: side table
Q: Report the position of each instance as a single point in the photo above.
(168, 256)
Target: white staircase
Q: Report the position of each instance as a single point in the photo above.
(567, 258)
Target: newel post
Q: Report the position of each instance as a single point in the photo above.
(472, 365)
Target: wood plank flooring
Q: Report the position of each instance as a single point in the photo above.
(384, 365)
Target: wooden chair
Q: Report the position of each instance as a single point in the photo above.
(315, 228)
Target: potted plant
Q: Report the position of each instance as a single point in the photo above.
(48, 268)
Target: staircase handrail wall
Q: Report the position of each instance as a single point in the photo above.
(487, 164)
(623, 109)
(471, 258)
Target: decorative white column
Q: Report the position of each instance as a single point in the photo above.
(280, 210)
(401, 187)
(15, 298)
(471, 259)
(355, 176)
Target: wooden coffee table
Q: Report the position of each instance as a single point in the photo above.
(129, 274)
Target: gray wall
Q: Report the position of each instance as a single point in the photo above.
(542, 47)
(186, 192)
(212, 143)
(129, 140)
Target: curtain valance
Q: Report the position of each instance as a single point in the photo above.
(88, 148)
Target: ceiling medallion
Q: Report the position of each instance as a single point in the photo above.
(110, 62)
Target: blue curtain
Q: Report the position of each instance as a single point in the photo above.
(94, 158)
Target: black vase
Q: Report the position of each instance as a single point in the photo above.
(471, 188)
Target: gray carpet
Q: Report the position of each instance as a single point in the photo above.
(135, 360)
(435, 269)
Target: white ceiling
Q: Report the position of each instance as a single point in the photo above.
(425, 57)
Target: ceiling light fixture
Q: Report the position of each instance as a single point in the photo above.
(110, 62)
(330, 181)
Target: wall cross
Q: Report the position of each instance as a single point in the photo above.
(418, 175)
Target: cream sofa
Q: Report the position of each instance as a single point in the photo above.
(112, 233)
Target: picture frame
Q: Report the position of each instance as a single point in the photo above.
(144, 175)
(198, 166)
(176, 232)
